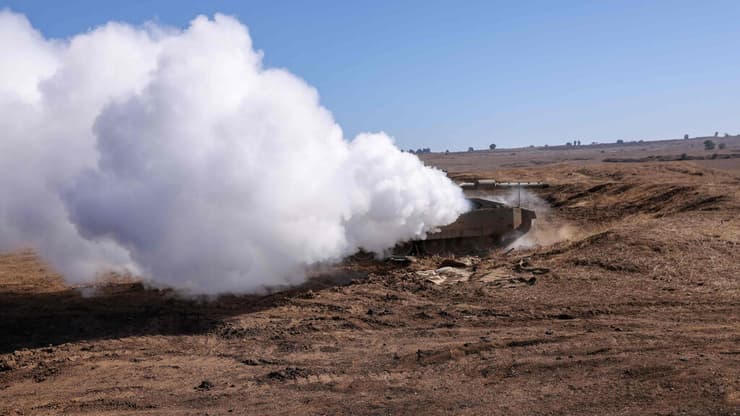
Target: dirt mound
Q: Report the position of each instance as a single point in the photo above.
(616, 200)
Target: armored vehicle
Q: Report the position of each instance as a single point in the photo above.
(488, 224)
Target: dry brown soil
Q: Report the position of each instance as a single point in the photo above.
(637, 311)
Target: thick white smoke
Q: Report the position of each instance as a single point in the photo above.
(177, 156)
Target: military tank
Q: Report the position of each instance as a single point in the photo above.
(487, 224)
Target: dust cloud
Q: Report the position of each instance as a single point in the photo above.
(546, 229)
(177, 156)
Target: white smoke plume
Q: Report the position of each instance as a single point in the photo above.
(177, 156)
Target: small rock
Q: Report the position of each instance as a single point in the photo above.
(204, 385)
(259, 361)
(290, 373)
(379, 312)
(423, 315)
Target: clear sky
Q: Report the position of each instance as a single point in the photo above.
(453, 74)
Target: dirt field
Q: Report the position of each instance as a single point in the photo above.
(631, 305)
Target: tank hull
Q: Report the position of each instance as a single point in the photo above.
(488, 224)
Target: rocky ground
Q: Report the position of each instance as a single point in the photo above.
(625, 300)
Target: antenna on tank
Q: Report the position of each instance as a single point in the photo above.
(519, 194)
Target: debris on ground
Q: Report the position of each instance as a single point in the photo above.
(445, 275)
(460, 262)
(524, 266)
(402, 260)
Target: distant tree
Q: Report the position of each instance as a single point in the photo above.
(727, 135)
(492, 146)
(447, 151)
(470, 149)
(568, 144)
(546, 146)
(531, 146)
(620, 141)
(685, 136)
(684, 156)
(411, 151)
(722, 145)
(708, 144)
(716, 134)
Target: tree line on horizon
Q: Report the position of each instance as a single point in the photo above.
(708, 144)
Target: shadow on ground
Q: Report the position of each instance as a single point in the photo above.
(31, 320)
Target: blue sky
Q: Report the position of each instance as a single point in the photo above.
(449, 75)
